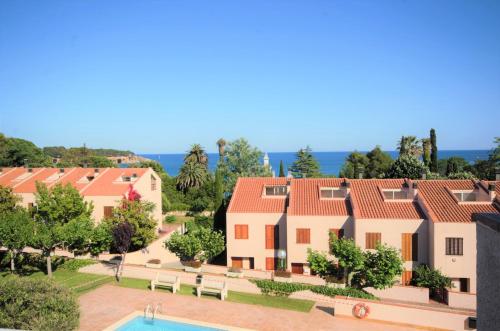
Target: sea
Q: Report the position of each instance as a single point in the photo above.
(330, 162)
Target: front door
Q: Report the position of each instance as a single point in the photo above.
(237, 262)
(297, 268)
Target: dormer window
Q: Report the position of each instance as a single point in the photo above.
(275, 190)
(331, 193)
(465, 196)
(395, 194)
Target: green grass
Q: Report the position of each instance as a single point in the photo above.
(238, 297)
(180, 220)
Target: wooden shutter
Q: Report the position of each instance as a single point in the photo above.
(372, 238)
(406, 246)
(237, 262)
(270, 263)
(298, 268)
(270, 236)
(406, 277)
(108, 211)
(338, 232)
(303, 236)
(241, 231)
(414, 247)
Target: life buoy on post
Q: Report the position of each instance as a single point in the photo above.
(361, 310)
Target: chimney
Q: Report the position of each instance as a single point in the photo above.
(30, 170)
(61, 170)
(491, 188)
(414, 188)
(497, 175)
(96, 170)
(346, 185)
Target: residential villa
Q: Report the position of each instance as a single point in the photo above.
(104, 187)
(429, 221)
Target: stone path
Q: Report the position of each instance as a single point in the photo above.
(108, 304)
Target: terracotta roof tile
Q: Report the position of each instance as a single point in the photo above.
(368, 202)
(305, 199)
(247, 196)
(445, 208)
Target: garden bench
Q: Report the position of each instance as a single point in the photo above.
(212, 286)
(164, 280)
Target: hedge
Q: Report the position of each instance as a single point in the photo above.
(270, 287)
(37, 304)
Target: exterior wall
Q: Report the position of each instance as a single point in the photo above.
(319, 230)
(99, 203)
(488, 274)
(455, 266)
(405, 314)
(143, 186)
(408, 293)
(391, 231)
(254, 246)
(461, 300)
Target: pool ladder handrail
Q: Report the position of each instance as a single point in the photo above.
(147, 310)
(159, 309)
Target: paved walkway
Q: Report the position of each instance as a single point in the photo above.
(108, 304)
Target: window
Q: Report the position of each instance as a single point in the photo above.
(272, 236)
(338, 232)
(241, 231)
(303, 236)
(108, 211)
(275, 190)
(395, 194)
(153, 183)
(454, 246)
(409, 246)
(465, 196)
(331, 193)
(372, 238)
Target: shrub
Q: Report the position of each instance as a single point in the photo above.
(179, 206)
(348, 292)
(270, 287)
(76, 264)
(283, 273)
(201, 244)
(433, 279)
(170, 219)
(37, 304)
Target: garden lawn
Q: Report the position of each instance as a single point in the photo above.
(239, 297)
(79, 282)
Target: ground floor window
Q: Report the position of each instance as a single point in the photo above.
(298, 268)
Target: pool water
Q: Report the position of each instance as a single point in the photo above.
(140, 323)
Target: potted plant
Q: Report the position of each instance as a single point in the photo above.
(153, 263)
(192, 266)
(234, 272)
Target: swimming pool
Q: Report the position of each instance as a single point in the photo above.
(140, 323)
(136, 321)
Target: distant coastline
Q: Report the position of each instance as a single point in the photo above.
(330, 162)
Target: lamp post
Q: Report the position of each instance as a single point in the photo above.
(282, 259)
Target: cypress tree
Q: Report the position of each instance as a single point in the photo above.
(402, 146)
(219, 190)
(282, 169)
(434, 152)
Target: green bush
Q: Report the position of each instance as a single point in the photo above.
(170, 219)
(348, 292)
(179, 206)
(270, 287)
(37, 304)
(433, 279)
(76, 264)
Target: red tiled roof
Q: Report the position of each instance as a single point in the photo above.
(106, 183)
(247, 196)
(305, 200)
(369, 203)
(444, 207)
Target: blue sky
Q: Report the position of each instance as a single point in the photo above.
(157, 76)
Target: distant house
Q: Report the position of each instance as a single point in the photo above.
(104, 187)
(429, 221)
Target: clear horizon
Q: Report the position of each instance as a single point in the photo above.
(155, 77)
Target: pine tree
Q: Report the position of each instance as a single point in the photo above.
(305, 165)
(282, 169)
(434, 152)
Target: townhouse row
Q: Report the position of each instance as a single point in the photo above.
(104, 187)
(429, 221)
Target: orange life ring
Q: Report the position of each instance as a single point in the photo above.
(361, 310)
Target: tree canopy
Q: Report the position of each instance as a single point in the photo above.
(354, 166)
(305, 164)
(379, 163)
(407, 166)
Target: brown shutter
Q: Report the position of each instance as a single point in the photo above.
(270, 236)
(241, 231)
(372, 238)
(245, 231)
(303, 236)
(270, 263)
(406, 277)
(406, 246)
(237, 232)
(108, 211)
(237, 262)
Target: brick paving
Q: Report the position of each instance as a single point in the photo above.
(108, 304)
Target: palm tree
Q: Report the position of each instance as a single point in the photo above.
(409, 145)
(192, 174)
(197, 155)
(221, 143)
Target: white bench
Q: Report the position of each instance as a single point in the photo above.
(212, 286)
(164, 280)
